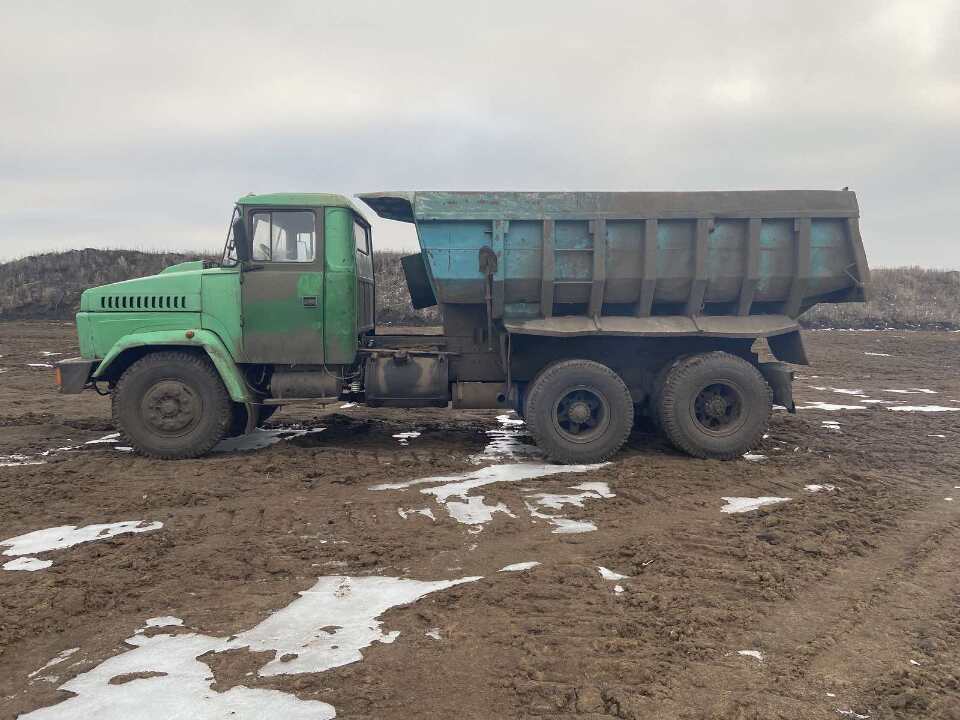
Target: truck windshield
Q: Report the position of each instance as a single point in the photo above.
(229, 258)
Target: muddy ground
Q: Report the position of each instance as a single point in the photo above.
(850, 596)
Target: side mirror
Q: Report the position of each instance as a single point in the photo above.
(240, 244)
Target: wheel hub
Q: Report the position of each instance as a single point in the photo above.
(581, 415)
(579, 412)
(718, 408)
(170, 407)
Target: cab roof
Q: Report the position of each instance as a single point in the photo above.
(298, 200)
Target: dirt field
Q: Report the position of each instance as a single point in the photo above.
(849, 595)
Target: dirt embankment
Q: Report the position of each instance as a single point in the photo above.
(845, 597)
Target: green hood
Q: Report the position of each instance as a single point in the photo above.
(177, 288)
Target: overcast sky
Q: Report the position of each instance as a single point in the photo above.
(135, 124)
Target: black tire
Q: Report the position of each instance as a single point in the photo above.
(715, 405)
(172, 405)
(656, 396)
(568, 390)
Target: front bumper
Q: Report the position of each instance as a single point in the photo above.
(73, 374)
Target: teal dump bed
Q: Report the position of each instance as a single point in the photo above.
(638, 254)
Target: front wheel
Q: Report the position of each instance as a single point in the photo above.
(579, 411)
(172, 405)
(714, 405)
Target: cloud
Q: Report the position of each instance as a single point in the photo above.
(134, 125)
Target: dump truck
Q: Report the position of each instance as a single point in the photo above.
(581, 311)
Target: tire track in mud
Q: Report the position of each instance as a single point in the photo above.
(697, 583)
(847, 634)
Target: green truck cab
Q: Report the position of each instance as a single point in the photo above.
(578, 310)
(300, 298)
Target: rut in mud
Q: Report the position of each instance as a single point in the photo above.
(841, 595)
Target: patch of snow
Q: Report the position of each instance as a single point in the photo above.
(351, 605)
(949, 499)
(460, 484)
(44, 366)
(326, 627)
(852, 714)
(347, 406)
(260, 439)
(746, 504)
(111, 438)
(557, 501)
(453, 492)
(914, 662)
(600, 488)
(30, 564)
(874, 354)
(844, 391)
(473, 510)
(936, 435)
(55, 660)
(562, 525)
(2, 370)
(817, 405)
(818, 488)
(618, 589)
(610, 574)
(64, 536)
(507, 442)
(47, 353)
(16, 460)
(181, 691)
(924, 408)
(405, 437)
(162, 621)
(518, 567)
(753, 457)
(755, 654)
(433, 633)
(66, 448)
(914, 391)
(875, 402)
(405, 513)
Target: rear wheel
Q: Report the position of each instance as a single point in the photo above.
(172, 405)
(578, 411)
(715, 405)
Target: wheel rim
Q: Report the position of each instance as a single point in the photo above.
(581, 415)
(719, 408)
(171, 408)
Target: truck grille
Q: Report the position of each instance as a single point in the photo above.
(143, 302)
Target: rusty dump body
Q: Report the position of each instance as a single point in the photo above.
(634, 281)
(645, 263)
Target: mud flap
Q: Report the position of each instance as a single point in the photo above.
(789, 348)
(780, 378)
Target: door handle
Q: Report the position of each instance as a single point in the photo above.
(309, 301)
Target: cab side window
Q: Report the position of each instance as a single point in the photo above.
(361, 238)
(284, 236)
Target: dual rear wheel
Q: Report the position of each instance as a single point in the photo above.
(713, 405)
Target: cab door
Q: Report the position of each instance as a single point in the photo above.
(282, 288)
